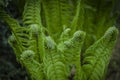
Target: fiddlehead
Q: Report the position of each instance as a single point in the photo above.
(34, 68)
(32, 19)
(69, 47)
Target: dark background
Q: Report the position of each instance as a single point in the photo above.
(10, 69)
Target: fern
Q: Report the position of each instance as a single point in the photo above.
(31, 14)
(33, 67)
(60, 14)
(54, 66)
(62, 39)
(96, 57)
(13, 24)
(69, 47)
(78, 19)
(31, 18)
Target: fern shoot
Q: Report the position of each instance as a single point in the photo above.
(63, 39)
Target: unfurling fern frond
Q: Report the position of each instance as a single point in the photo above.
(37, 41)
(34, 68)
(71, 49)
(32, 19)
(54, 66)
(23, 42)
(96, 57)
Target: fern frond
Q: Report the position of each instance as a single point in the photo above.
(8, 19)
(65, 35)
(34, 68)
(96, 13)
(22, 35)
(31, 14)
(37, 41)
(54, 66)
(68, 49)
(13, 24)
(57, 14)
(78, 19)
(96, 58)
(32, 18)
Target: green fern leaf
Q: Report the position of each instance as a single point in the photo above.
(97, 57)
(31, 14)
(54, 66)
(68, 49)
(37, 41)
(57, 14)
(34, 68)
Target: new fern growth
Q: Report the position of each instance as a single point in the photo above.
(58, 39)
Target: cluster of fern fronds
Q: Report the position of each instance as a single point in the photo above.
(63, 39)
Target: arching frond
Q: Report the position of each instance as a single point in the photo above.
(13, 24)
(97, 57)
